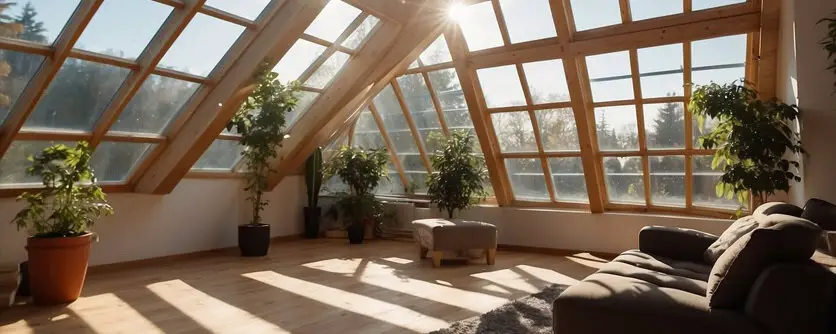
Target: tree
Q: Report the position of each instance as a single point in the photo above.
(32, 29)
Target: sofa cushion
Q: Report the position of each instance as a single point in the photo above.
(657, 278)
(820, 212)
(665, 265)
(779, 238)
(746, 224)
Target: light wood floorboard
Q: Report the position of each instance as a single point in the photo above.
(307, 286)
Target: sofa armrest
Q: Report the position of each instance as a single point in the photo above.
(675, 242)
(794, 298)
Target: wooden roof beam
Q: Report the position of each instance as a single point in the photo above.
(30, 96)
(278, 34)
(767, 59)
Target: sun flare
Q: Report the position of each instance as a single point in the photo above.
(456, 12)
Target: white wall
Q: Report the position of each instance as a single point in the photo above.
(198, 215)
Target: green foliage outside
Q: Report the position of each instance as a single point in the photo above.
(361, 170)
(829, 43)
(260, 120)
(458, 175)
(70, 201)
(751, 138)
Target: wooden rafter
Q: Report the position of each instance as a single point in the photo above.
(767, 60)
(689, 127)
(147, 62)
(37, 86)
(416, 136)
(436, 104)
(390, 147)
(332, 48)
(637, 91)
(535, 127)
(277, 33)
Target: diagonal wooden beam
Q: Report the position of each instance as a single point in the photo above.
(211, 115)
(381, 59)
(148, 60)
(332, 48)
(30, 96)
(416, 136)
(393, 154)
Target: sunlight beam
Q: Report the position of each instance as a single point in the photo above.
(117, 311)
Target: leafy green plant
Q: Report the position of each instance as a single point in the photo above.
(829, 43)
(458, 175)
(70, 201)
(313, 177)
(362, 170)
(260, 120)
(750, 138)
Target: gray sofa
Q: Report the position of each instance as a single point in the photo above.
(669, 286)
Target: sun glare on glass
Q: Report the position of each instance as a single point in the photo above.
(457, 11)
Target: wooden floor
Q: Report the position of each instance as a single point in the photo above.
(311, 286)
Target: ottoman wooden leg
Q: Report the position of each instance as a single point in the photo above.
(437, 258)
(491, 255)
(422, 252)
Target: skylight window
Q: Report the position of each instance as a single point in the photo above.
(332, 20)
(528, 20)
(590, 14)
(617, 128)
(201, 45)
(514, 132)
(706, 4)
(300, 56)
(249, 9)
(610, 77)
(721, 60)
(222, 155)
(479, 26)
(143, 17)
(648, 9)
(115, 161)
(363, 31)
(546, 81)
(52, 14)
(501, 86)
(420, 105)
(661, 71)
(158, 101)
(327, 71)
(527, 179)
(436, 53)
(22, 66)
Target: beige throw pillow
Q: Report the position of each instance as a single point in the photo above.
(747, 224)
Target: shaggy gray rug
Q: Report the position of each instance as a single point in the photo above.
(531, 314)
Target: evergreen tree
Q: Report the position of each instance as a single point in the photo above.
(669, 126)
(7, 29)
(32, 29)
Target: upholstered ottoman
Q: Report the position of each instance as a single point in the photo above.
(440, 235)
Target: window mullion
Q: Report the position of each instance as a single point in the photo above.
(637, 90)
(411, 122)
(436, 104)
(536, 129)
(389, 145)
(689, 125)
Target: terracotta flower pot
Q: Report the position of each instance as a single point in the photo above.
(57, 268)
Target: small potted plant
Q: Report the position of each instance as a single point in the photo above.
(458, 175)
(58, 218)
(362, 171)
(751, 139)
(260, 121)
(313, 183)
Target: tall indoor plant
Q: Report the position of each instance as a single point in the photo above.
(260, 121)
(362, 171)
(751, 139)
(313, 183)
(58, 217)
(458, 175)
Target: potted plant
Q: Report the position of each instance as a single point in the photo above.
(58, 217)
(313, 183)
(361, 170)
(260, 121)
(751, 139)
(458, 175)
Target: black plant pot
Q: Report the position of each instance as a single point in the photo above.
(312, 222)
(254, 240)
(356, 233)
(23, 287)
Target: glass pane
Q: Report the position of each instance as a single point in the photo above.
(305, 100)
(501, 86)
(527, 180)
(616, 128)
(528, 20)
(417, 182)
(361, 33)
(21, 66)
(420, 105)
(569, 183)
(705, 4)
(201, 45)
(155, 105)
(328, 71)
(705, 179)
(398, 129)
(514, 132)
(721, 60)
(610, 77)
(332, 20)
(624, 179)
(115, 161)
(667, 180)
(648, 9)
(546, 81)
(664, 125)
(391, 186)
(453, 105)
(300, 56)
(14, 163)
(591, 14)
(222, 155)
(436, 53)
(41, 20)
(479, 26)
(249, 9)
(708, 125)
(366, 133)
(660, 70)
(558, 130)
(123, 28)
(414, 64)
(77, 96)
